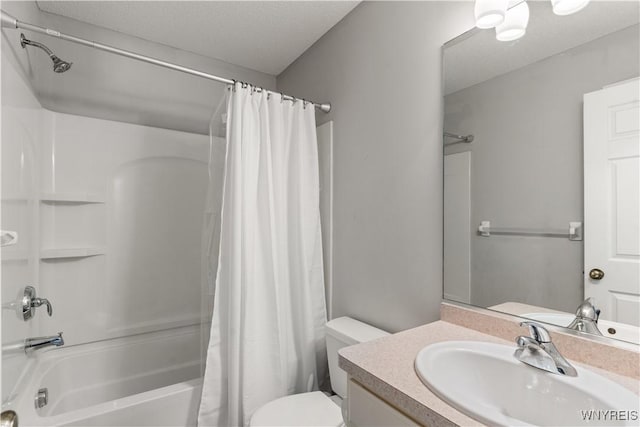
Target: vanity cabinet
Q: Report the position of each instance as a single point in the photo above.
(365, 409)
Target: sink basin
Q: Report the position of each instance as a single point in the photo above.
(486, 382)
(610, 329)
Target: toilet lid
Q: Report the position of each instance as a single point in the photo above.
(305, 409)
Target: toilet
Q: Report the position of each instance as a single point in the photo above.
(316, 408)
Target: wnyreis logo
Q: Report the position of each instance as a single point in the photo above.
(608, 415)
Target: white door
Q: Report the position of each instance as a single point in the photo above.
(457, 227)
(611, 200)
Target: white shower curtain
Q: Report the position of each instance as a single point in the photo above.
(267, 333)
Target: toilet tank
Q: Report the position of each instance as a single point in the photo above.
(343, 332)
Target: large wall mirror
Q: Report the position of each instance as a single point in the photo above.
(542, 168)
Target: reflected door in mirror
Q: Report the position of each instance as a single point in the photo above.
(611, 197)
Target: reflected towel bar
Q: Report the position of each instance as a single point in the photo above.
(574, 232)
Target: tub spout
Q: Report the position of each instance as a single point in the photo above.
(32, 344)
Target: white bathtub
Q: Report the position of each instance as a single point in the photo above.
(146, 380)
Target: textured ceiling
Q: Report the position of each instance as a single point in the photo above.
(480, 57)
(265, 36)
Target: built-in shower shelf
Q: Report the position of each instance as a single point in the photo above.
(79, 198)
(70, 253)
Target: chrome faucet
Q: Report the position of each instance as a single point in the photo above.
(538, 351)
(32, 344)
(586, 318)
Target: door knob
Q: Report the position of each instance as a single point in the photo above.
(596, 274)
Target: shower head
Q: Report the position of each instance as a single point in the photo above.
(460, 138)
(59, 66)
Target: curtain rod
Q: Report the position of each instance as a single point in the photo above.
(9, 21)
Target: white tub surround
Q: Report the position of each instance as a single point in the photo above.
(21, 118)
(121, 211)
(100, 222)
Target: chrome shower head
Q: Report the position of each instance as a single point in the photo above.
(59, 66)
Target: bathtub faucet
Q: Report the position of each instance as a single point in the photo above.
(32, 344)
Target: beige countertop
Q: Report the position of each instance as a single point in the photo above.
(386, 367)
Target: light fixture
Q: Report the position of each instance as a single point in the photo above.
(567, 7)
(515, 22)
(490, 13)
(511, 17)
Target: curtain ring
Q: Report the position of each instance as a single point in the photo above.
(268, 96)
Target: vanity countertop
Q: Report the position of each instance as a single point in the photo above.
(386, 367)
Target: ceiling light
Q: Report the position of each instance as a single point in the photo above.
(490, 13)
(567, 7)
(515, 23)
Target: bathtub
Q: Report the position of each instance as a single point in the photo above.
(145, 380)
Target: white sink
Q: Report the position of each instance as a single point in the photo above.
(619, 331)
(486, 382)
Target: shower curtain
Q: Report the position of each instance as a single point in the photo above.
(267, 332)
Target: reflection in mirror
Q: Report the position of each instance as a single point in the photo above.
(542, 170)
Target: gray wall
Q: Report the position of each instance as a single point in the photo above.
(107, 86)
(527, 168)
(380, 69)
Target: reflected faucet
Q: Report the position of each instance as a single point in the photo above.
(32, 344)
(538, 351)
(586, 318)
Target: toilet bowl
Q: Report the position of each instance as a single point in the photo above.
(317, 408)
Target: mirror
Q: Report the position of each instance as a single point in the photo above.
(542, 168)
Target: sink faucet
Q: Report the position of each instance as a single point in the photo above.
(32, 344)
(586, 318)
(538, 351)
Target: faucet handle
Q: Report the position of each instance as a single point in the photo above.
(29, 302)
(537, 332)
(37, 302)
